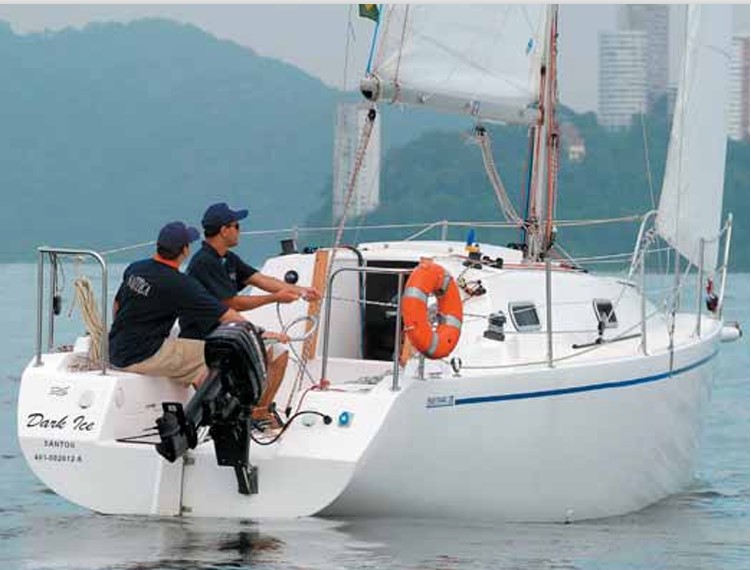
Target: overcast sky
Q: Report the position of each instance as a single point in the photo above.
(313, 37)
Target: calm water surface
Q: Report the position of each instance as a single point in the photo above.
(706, 527)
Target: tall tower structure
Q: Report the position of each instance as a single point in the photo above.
(350, 120)
(738, 111)
(654, 21)
(622, 78)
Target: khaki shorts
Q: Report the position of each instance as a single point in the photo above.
(179, 359)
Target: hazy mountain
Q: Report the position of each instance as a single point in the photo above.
(108, 132)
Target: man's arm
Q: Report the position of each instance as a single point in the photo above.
(273, 285)
(231, 316)
(246, 302)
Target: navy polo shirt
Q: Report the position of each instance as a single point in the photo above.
(223, 277)
(151, 296)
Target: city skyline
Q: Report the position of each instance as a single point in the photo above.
(633, 68)
(315, 38)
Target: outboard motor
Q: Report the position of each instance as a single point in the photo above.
(236, 360)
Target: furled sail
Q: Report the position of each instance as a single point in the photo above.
(691, 199)
(480, 60)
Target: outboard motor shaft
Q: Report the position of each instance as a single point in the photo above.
(236, 359)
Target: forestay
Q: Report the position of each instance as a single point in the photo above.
(480, 60)
(691, 199)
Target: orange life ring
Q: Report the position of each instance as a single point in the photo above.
(429, 278)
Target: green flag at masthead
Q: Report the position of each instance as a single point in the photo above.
(369, 11)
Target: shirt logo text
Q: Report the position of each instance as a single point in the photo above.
(139, 285)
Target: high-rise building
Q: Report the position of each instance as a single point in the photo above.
(654, 20)
(622, 78)
(634, 63)
(738, 111)
(672, 98)
(350, 120)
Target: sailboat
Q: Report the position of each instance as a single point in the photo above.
(437, 378)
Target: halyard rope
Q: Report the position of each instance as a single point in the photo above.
(399, 56)
(367, 129)
(509, 212)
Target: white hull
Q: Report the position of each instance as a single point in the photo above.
(577, 441)
(602, 451)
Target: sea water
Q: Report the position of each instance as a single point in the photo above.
(704, 527)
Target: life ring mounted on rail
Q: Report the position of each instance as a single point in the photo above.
(429, 278)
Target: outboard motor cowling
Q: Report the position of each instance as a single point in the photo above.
(236, 359)
(237, 351)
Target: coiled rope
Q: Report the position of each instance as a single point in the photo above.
(86, 299)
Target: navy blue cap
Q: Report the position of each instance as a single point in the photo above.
(218, 215)
(176, 235)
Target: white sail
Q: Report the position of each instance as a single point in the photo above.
(481, 60)
(691, 199)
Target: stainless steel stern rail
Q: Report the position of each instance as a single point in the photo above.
(53, 253)
(398, 333)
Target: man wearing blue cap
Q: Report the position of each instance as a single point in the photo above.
(152, 296)
(224, 274)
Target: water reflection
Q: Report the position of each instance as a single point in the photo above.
(677, 533)
(702, 528)
(97, 541)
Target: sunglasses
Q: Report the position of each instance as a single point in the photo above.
(234, 225)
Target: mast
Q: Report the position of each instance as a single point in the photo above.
(539, 235)
(491, 62)
(553, 138)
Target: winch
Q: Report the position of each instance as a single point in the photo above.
(496, 324)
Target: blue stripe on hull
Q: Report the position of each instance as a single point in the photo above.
(587, 388)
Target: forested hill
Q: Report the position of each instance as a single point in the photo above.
(108, 132)
(441, 176)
